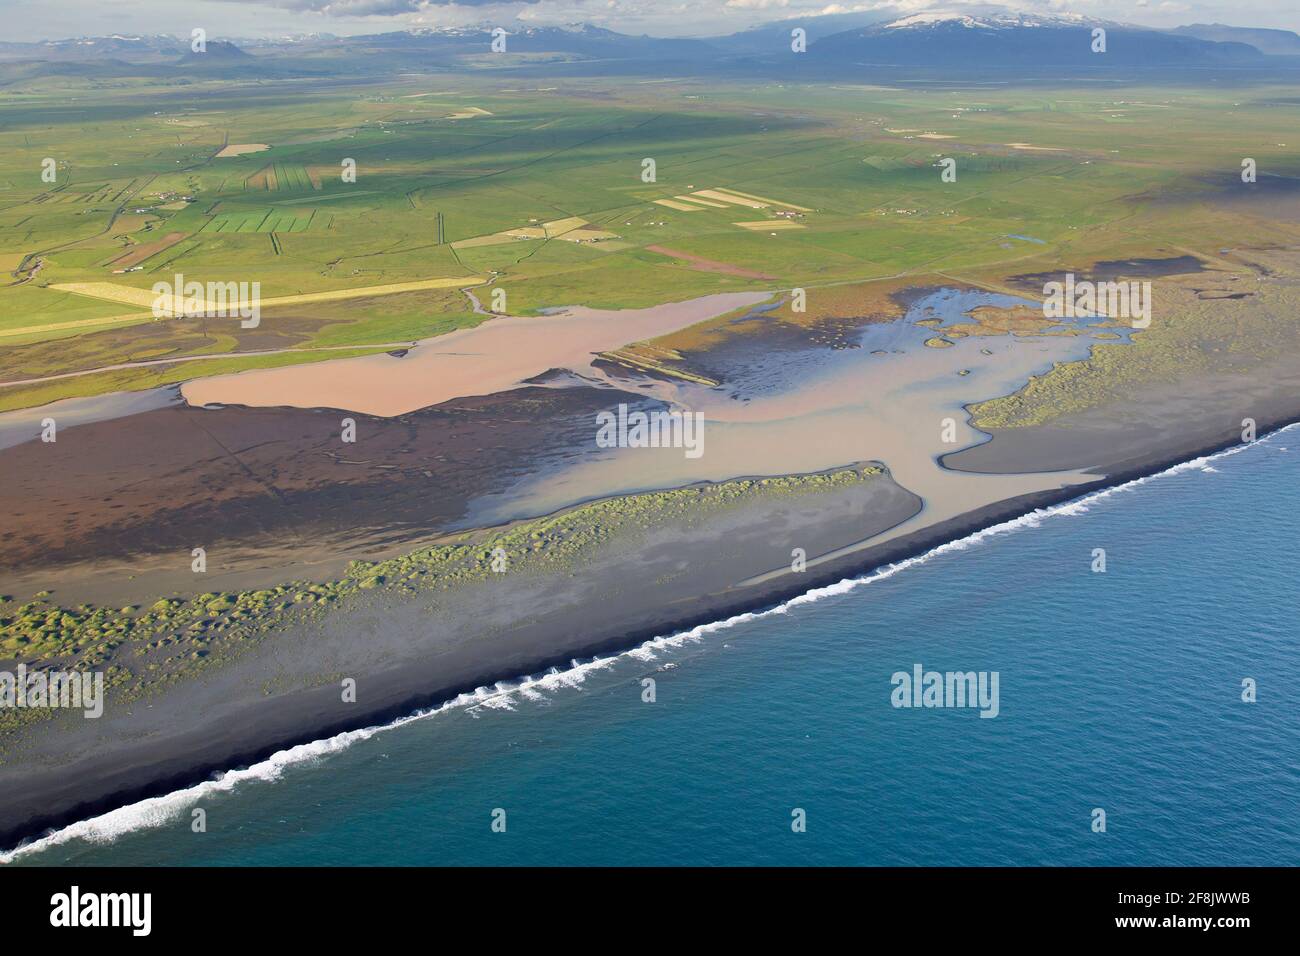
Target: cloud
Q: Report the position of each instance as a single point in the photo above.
(371, 8)
(40, 19)
(757, 4)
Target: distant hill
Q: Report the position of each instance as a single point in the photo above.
(97, 48)
(581, 39)
(596, 41)
(774, 38)
(1018, 40)
(1272, 42)
(841, 47)
(216, 50)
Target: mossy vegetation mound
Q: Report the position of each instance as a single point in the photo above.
(174, 637)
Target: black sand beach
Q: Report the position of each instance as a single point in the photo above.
(415, 659)
(415, 478)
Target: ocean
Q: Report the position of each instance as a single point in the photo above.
(1119, 691)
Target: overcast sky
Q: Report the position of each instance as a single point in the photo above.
(55, 19)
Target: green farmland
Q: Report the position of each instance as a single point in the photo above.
(848, 177)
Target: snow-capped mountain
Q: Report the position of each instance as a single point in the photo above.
(997, 21)
(116, 45)
(576, 39)
(839, 45)
(1022, 39)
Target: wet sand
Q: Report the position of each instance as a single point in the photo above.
(24, 425)
(263, 490)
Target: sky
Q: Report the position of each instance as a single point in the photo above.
(58, 19)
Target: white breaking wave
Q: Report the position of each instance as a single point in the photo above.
(157, 811)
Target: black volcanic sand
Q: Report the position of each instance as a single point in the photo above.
(169, 480)
(408, 652)
(1170, 423)
(1112, 270)
(277, 471)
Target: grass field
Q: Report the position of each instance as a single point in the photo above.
(542, 193)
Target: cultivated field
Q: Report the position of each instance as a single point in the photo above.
(542, 194)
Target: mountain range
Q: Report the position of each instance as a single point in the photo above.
(1024, 40)
(838, 44)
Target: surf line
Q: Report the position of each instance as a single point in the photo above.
(157, 811)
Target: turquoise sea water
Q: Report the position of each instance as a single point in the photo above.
(1118, 690)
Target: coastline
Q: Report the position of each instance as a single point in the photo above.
(305, 716)
(262, 682)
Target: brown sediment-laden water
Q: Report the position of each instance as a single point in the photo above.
(498, 355)
(142, 472)
(893, 398)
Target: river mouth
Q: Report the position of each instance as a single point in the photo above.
(894, 391)
(277, 487)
